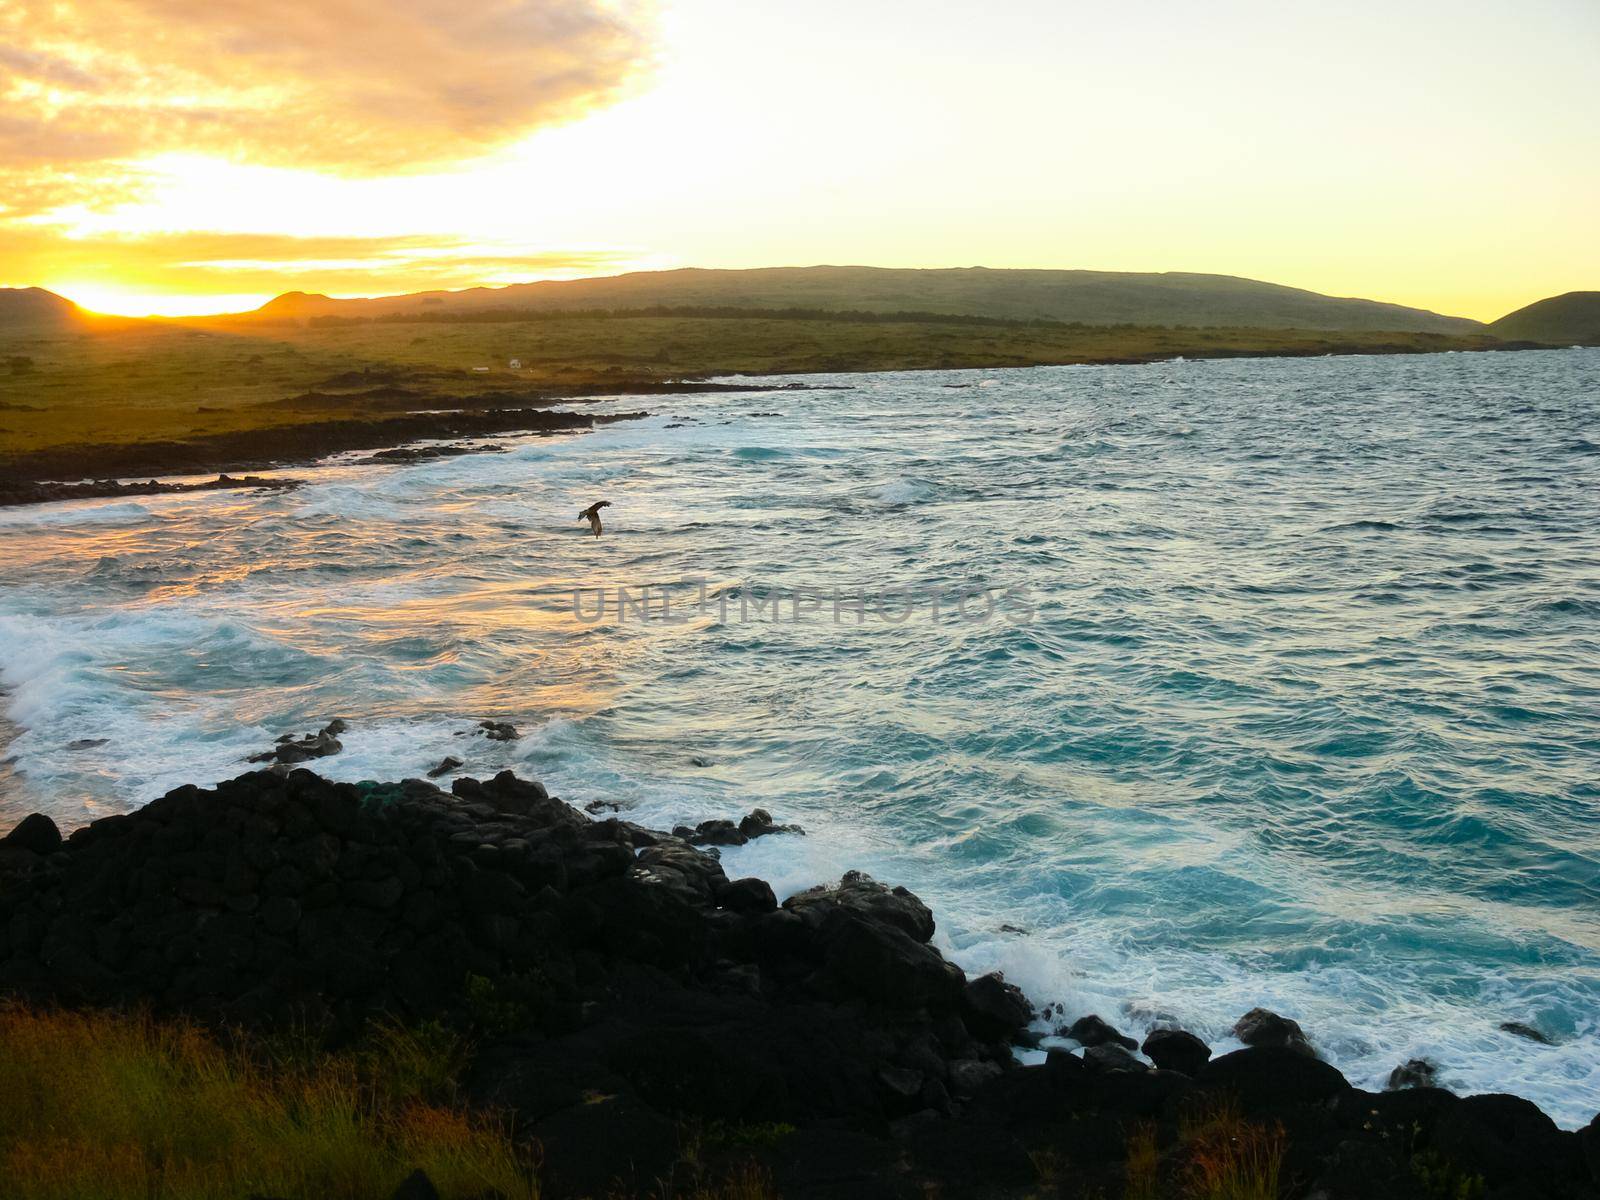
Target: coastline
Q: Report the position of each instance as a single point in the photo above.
(621, 962)
(395, 419)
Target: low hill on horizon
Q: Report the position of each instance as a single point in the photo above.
(33, 308)
(1569, 319)
(1087, 297)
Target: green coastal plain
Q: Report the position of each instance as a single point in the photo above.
(71, 381)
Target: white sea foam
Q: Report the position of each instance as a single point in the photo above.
(1140, 779)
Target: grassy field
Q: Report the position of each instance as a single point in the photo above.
(105, 1106)
(121, 1106)
(126, 382)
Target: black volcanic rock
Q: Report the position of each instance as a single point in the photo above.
(995, 1010)
(1176, 1050)
(1093, 1031)
(1262, 1027)
(1111, 1056)
(1269, 1077)
(36, 833)
(1522, 1030)
(621, 990)
(1413, 1073)
(1498, 1137)
(747, 896)
(447, 764)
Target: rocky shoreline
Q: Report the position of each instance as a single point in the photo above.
(93, 471)
(626, 995)
(84, 472)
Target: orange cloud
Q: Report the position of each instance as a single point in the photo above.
(348, 86)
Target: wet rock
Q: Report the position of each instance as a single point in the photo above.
(860, 893)
(499, 731)
(1176, 1050)
(1092, 1031)
(747, 896)
(1414, 1073)
(449, 763)
(36, 833)
(759, 823)
(1262, 1027)
(993, 1009)
(88, 743)
(321, 744)
(711, 833)
(1106, 1057)
(721, 832)
(1526, 1031)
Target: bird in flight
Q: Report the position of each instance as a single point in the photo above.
(592, 515)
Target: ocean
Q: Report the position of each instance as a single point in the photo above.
(1173, 689)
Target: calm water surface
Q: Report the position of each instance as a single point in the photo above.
(1307, 713)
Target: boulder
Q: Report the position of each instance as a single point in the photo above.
(1413, 1073)
(993, 1009)
(1273, 1077)
(1176, 1050)
(861, 894)
(449, 763)
(749, 895)
(1092, 1031)
(1526, 1031)
(1262, 1027)
(759, 823)
(36, 833)
(498, 731)
(711, 833)
(1111, 1056)
(874, 960)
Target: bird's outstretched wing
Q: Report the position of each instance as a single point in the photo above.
(592, 515)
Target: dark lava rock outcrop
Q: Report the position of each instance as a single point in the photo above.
(632, 1006)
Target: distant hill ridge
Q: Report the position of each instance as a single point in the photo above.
(35, 308)
(1570, 319)
(1088, 297)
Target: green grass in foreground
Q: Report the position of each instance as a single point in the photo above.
(102, 1107)
(125, 383)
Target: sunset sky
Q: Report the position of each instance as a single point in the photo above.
(184, 156)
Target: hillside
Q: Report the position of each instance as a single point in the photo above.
(1572, 319)
(1088, 297)
(33, 308)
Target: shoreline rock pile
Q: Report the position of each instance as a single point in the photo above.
(624, 990)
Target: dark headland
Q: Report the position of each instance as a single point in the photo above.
(634, 1009)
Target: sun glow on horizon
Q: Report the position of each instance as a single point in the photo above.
(1028, 141)
(110, 300)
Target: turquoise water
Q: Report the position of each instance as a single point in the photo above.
(1295, 700)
